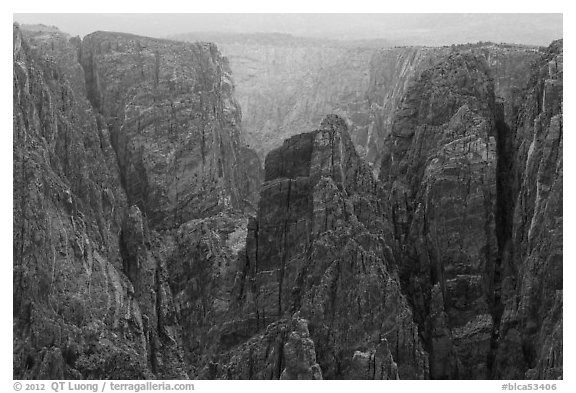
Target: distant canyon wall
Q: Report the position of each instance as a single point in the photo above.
(287, 83)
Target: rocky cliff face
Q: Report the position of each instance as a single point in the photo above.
(394, 70)
(135, 255)
(439, 169)
(454, 169)
(288, 84)
(530, 297)
(115, 138)
(174, 123)
(75, 313)
(319, 265)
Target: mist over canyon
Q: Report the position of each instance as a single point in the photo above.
(270, 206)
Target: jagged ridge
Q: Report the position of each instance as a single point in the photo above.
(449, 266)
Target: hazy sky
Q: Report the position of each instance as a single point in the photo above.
(427, 29)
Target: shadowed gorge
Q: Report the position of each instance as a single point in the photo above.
(407, 222)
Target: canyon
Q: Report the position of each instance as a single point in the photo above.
(406, 222)
(286, 83)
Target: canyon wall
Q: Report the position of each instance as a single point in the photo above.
(75, 312)
(287, 84)
(470, 165)
(174, 123)
(439, 171)
(394, 70)
(319, 273)
(455, 168)
(128, 155)
(530, 273)
(145, 245)
(452, 213)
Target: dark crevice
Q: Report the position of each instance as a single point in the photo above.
(505, 200)
(95, 97)
(284, 251)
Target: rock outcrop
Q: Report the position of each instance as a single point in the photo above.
(394, 70)
(174, 123)
(461, 176)
(320, 248)
(75, 311)
(529, 336)
(137, 256)
(439, 170)
(130, 186)
(283, 351)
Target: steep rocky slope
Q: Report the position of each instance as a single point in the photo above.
(530, 297)
(463, 234)
(120, 205)
(455, 169)
(135, 255)
(174, 124)
(439, 168)
(393, 71)
(319, 273)
(75, 313)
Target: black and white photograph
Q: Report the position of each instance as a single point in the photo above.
(286, 196)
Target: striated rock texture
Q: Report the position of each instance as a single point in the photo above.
(176, 129)
(439, 170)
(466, 188)
(391, 73)
(101, 288)
(394, 70)
(320, 249)
(283, 351)
(286, 84)
(135, 255)
(75, 312)
(201, 265)
(174, 123)
(530, 298)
